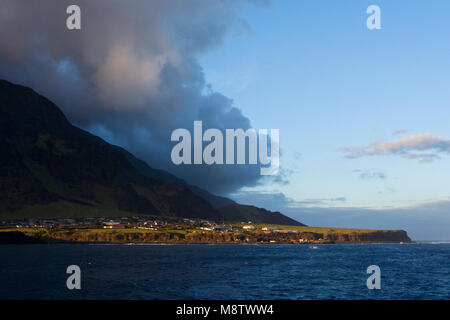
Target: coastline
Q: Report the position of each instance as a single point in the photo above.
(137, 236)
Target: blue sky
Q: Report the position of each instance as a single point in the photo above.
(313, 70)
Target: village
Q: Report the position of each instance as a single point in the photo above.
(196, 227)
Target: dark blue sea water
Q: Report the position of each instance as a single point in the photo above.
(409, 271)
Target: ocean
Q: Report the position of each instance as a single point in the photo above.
(113, 271)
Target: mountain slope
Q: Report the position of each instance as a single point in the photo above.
(50, 168)
(47, 160)
(239, 212)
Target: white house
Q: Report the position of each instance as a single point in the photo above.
(269, 229)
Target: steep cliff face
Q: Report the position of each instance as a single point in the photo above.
(378, 236)
(388, 236)
(48, 164)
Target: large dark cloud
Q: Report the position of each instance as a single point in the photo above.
(131, 74)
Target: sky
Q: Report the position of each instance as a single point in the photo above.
(314, 70)
(362, 114)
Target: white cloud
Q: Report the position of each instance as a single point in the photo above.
(409, 147)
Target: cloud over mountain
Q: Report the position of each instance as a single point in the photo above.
(131, 74)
